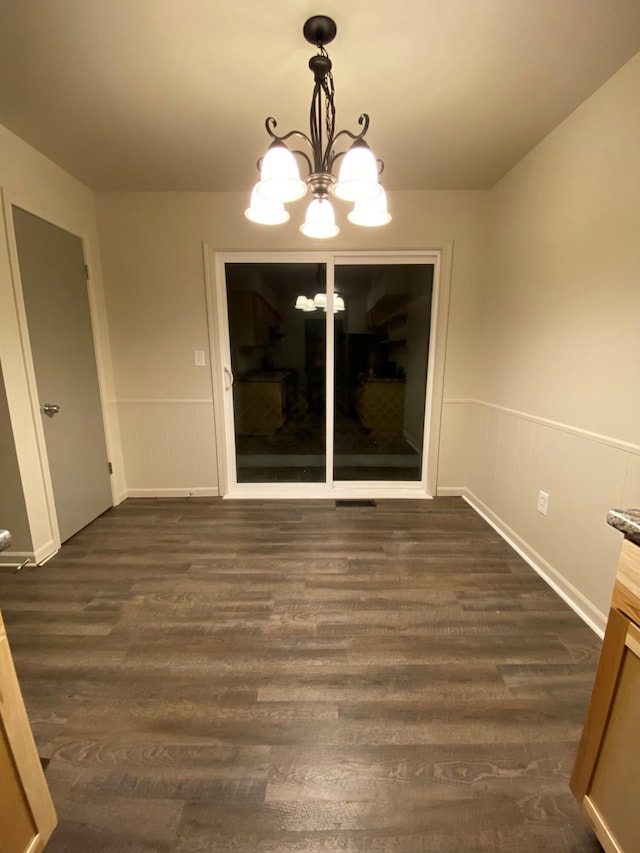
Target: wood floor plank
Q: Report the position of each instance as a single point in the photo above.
(428, 772)
(292, 677)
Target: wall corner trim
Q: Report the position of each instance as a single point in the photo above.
(46, 552)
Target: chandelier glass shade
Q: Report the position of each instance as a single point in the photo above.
(370, 213)
(279, 176)
(358, 176)
(320, 220)
(266, 212)
(357, 181)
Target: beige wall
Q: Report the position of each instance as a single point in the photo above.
(151, 247)
(31, 181)
(556, 405)
(562, 298)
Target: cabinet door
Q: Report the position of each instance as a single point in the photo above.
(251, 319)
(612, 799)
(242, 326)
(27, 817)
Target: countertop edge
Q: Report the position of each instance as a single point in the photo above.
(627, 521)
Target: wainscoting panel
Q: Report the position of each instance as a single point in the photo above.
(500, 459)
(169, 447)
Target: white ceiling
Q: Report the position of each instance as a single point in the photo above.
(172, 94)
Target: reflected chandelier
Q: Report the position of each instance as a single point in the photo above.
(357, 180)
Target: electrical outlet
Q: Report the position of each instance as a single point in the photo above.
(543, 502)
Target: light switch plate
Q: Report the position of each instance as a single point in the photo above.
(198, 357)
(543, 502)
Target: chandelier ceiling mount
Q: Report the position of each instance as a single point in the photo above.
(319, 30)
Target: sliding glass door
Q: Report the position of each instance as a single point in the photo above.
(381, 356)
(278, 360)
(328, 372)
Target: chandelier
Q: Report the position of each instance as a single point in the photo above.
(319, 301)
(357, 180)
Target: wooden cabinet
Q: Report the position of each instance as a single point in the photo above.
(27, 816)
(251, 319)
(388, 307)
(259, 406)
(380, 406)
(606, 775)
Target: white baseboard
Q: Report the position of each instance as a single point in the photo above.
(186, 492)
(45, 552)
(11, 559)
(589, 614)
(37, 557)
(452, 491)
(45, 559)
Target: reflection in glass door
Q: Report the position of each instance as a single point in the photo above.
(278, 359)
(380, 371)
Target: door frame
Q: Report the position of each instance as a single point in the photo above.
(217, 318)
(20, 378)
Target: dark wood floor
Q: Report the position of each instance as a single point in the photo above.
(288, 677)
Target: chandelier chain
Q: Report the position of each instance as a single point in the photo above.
(330, 118)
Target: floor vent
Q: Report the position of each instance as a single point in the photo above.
(341, 504)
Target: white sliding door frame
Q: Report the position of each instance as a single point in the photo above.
(222, 377)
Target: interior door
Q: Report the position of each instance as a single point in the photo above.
(54, 286)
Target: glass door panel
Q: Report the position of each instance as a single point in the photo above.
(380, 370)
(278, 359)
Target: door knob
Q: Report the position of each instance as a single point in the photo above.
(50, 409)
(5, 539)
